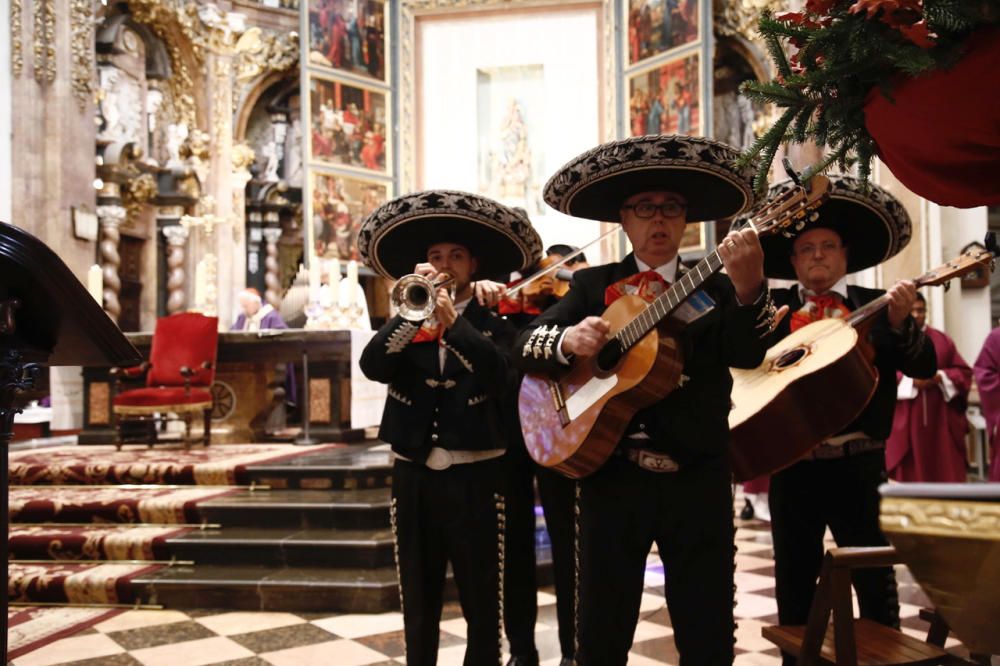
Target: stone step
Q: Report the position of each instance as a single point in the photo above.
(283, 546)
(304, 509)
(285, 589)
(255, 587)
(353, 467)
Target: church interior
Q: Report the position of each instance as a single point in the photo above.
(194, 471)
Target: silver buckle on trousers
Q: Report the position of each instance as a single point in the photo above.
(439, 459)
(655, 462)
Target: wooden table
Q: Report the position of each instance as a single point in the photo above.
(249, 386)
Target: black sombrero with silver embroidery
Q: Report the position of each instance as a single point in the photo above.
(872, 224)
(397, 234)
(594, 185)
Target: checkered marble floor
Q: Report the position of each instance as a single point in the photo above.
(195, 638)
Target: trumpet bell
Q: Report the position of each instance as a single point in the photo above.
(413, 297)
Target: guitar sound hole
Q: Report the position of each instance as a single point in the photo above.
(609, 356)
(790, 357)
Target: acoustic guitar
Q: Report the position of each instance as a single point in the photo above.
(782, 409)
(573, 423)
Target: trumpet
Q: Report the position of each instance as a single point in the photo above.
(413, 295)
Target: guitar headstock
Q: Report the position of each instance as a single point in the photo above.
(976, 257)
(789, 212)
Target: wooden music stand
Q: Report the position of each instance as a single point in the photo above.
(47, 318)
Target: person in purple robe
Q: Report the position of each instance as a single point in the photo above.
(987, 372)
(928, 429)
(259, 316)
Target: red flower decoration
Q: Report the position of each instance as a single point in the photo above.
(819, 6)
(918, 34)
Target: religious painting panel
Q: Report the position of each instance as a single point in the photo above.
(658, 26)
(666, 99)
(347, 125)
(509, 115)
(348, 36)
(535, 75)
(338, 204)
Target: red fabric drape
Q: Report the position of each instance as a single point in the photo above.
(940, 134)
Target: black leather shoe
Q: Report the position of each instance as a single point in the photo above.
(747, 512)
(523, 661)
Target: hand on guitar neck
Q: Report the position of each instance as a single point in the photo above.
(902, 296)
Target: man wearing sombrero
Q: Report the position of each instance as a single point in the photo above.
(837, 485)
(447, 413)
(668, 481)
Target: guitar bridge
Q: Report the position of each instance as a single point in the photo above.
(555, 390)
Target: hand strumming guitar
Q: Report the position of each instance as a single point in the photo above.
(586, 338)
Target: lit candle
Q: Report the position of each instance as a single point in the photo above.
(352, 283)
(95, 283)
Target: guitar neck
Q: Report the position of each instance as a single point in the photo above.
(872, 308)
(668, 301)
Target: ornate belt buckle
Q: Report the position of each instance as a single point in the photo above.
(657, 462)
(439, 459)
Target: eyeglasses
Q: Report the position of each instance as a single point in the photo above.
(646, 210)
(825, 247)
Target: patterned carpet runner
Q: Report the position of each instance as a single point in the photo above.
(124, 504)
(74, 582)
(75, 508)
(32, 627)
(212, 466)
(113, 542)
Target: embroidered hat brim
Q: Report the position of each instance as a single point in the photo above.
(397, 235)
(594, 185)
(873, 225)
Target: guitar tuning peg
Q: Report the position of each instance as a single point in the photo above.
(947, 285)
(814, 217)
(800, 225)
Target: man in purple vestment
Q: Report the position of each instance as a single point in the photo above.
(257, 316)
(987, 371)
(928, 431)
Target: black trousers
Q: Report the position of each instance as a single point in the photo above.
(558, 495)
(453, 515)
(843, 494)
(689, 515)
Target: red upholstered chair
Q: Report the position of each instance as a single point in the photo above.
(179, 374)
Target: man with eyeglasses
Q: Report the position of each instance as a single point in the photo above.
(668, 481)
(836, 486)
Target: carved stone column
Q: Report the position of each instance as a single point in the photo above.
(223, 29)
(176, 236)
(110, 217)
(272, 278)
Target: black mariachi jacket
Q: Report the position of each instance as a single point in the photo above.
(909, 351)
(691, 423)
(462, 408)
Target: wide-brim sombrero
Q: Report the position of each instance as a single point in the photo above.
(594, 185)
(871, 222)
(396, 235)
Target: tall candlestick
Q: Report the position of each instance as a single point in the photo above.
(95, 283)
(313, 277)
(333, 274)
(200, 285)
(352, 283)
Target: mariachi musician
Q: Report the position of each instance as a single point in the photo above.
(668, 481)
(447, 412)
(836, 486)
(556, 492)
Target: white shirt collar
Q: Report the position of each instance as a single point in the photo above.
(667, 271)
(840, 288)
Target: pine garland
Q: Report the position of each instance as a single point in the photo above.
(841, 49)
